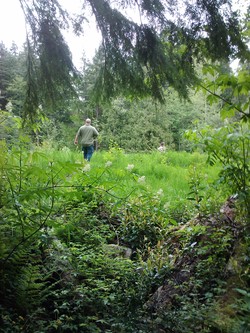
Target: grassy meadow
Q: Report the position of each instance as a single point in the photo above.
(177, 180)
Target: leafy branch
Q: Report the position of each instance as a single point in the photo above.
(224, 100)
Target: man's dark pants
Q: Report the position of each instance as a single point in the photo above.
(88, 152)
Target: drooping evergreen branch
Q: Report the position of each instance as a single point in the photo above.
(50, 69)
(140, 59)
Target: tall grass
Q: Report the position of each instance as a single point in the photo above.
(170, 175)
(171, 171)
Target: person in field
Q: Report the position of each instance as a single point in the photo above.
(162, 147)
(85, 137)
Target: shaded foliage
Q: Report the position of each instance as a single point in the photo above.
(61, 264)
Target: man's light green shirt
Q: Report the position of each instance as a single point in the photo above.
(86, 135)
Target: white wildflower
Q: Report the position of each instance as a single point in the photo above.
(130, 167)
(65, 149)
(160, 192)
(108, 164)
(167, 205)
(141, 179)
(86, 168)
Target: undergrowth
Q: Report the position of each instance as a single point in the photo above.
(92, 247)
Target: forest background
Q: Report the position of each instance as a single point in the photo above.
(135, 241)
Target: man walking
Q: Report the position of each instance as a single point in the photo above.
(85, 136)
(162, 147)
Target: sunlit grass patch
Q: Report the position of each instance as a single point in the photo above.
(125, 176)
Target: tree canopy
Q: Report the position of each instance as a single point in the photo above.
(141, 57)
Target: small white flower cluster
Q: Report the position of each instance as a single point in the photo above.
(167, 205)
(86, 168)
(108, 164)
(130, 167)
(160, 192)
(141, 179)
(66, 149)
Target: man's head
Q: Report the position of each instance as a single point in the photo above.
(88, 121)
